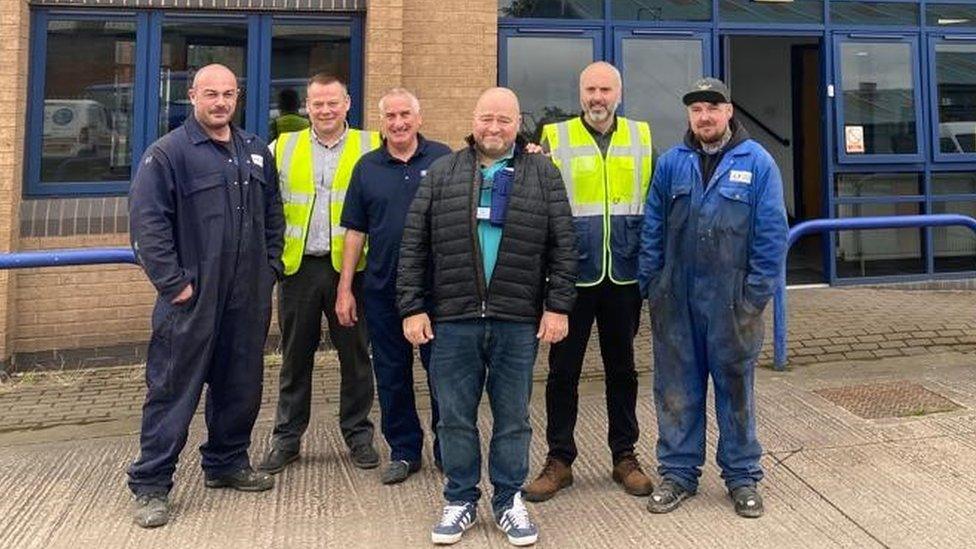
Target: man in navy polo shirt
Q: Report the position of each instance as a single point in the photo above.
(383, 184)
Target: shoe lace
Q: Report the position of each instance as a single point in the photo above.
(452, 513)
(629, 464)
(549, 470)
(518, 514)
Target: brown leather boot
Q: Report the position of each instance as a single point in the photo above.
(554, 477)
(627, 472)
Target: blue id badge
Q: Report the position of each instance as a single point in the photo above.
(500, 190)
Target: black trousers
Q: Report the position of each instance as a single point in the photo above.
(616, 309)
(304, 297)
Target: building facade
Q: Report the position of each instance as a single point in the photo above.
(868, 107)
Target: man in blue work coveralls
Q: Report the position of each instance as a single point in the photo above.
(712, 246)
(206, 224)
(383, 184)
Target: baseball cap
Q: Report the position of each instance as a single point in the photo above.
(707, 89)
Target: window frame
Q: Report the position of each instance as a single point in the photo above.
(935, 39)
(145, 88)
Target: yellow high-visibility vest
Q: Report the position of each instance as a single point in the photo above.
(293, 157)
(606, 194)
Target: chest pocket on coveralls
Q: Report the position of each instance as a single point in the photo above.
(204, 194)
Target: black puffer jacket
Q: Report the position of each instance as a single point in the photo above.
(536, 264)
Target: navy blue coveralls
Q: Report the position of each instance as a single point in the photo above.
(206, 214)
(377, 201)
(710, 257)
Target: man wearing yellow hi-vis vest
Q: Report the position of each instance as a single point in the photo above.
(314, 168)
(605, 161)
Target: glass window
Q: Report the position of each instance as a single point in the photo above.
(948, 15)
(880, 252)
(87, 128)
(955, 73)
(879, 98)
(558, 9)
(954, 183)
(297, 52)
(188, 46)
(749, 11)
(656, 73)
(873, 13)
(662, 10)
(544, 72)
(878, 184)
(954, 247)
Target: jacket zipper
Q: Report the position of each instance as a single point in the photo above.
(479, 273)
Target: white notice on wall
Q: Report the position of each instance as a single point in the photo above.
(854, 139)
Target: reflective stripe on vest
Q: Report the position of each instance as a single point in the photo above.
(601, 187)
(294, 159)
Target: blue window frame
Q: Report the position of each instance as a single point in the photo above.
(952, 97)
(46, 174)
(879, 120)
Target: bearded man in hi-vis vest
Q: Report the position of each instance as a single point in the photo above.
(314, 167)
(605, 161)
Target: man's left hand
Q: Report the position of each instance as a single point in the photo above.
(553, 327)
(533, 148)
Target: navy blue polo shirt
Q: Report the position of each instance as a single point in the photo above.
(376, 204)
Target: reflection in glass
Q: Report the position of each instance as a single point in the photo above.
(662, 10)
(954, 183)
(298, 52)
(873, 13)
(878, 184)
(188, 46)
(955, 73)
(544, 72)
(879, 98)
(558, 9)
(748, 11)
(880, 252)
(88, 106)
(954, 247)
(950, 15)
(656, 74)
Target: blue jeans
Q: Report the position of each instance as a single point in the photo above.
(468, 356)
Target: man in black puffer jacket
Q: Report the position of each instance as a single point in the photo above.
(489, 251)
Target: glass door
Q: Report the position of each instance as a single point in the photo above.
(658, 68)
(542, 66)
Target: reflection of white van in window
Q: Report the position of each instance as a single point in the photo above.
(76, 127)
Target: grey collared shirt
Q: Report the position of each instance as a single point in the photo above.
(325, 161)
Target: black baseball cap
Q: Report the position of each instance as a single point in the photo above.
(711, 90)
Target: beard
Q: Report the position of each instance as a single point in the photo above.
(601, 113)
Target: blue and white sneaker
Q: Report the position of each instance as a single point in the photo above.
(515, 522)
(458, 516)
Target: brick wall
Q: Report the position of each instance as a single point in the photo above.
(13, 84)
(446, 56)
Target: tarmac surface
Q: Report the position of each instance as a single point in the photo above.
(833, 477)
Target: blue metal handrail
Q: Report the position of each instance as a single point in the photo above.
(857, 223)
(60, 258)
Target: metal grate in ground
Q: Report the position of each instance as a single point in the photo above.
(885, 400)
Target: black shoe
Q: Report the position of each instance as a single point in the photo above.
(276, 460)
(364, 456)
(748, 503)
(667, 497)
(399, 470)
(151, 510)
(244, 480)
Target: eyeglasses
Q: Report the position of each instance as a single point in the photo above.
(212, 95)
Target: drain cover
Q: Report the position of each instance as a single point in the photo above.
(881, 400)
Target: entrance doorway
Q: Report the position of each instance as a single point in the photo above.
(776, 89)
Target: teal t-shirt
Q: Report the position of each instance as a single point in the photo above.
(490, 236)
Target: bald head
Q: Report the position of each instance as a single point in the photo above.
(214, 98)
(213, 73)
(497, 120)
(600, 85)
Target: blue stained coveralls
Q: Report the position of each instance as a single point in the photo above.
(709, 260)
(210, 215)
